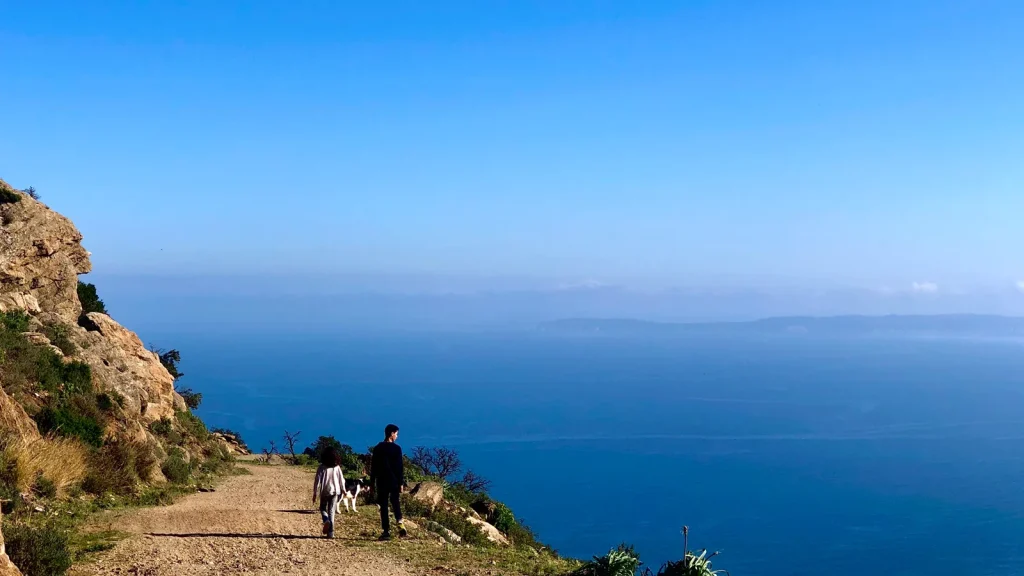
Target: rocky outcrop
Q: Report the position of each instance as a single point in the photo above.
(492, 533)
(121, 363)
(13, 419)
(7, 568)
(232, 443)
(41, 256)
(430, 493)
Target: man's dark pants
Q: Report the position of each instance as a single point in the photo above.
(386, 494)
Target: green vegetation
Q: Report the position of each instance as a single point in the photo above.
(8, 196)
(350, 461)
(31, 191)
(621, 561)
(469, 533)
(73, 419)
(192, 425)
(60, 336)
(91, 302)
(176, 469)
(38, 550)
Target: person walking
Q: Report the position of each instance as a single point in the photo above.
(329, 485)
(387, 477)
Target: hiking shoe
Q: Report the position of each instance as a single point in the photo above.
(384, 537)
(402, 532)
(326, 528)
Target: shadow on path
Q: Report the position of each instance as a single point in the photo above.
(265, 536)
(299, 511)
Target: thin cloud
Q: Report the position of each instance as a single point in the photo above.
(924, 287)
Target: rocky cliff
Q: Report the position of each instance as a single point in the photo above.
(41, 257)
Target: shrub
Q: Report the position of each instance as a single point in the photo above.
(192, 425)
(38, 551)
(15, 320)
(31, 191)
(176, 469)
(61, 462)
(8, 196)
(192, 399)
(304, 460)
(145, 460)
(90, 299)
(44, 487)
(69, 421)
(503, 518)
(169, 359)
(60, 336)
(161, 427)
(112, 469)
(692, 564)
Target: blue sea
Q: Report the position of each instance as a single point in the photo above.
(790, 455)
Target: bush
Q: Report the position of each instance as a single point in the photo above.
(112, 469)
(90, 299)
(304, 460)
(192, 425)
(61, 462)
(31, 191)
(38, 551)
(161, 427)
(60, 336)
(192, 399)
(70, 420)
(349, 459)
(176, 469)
(145, 460)
(15, 320)
(8, 196)
(44, 487)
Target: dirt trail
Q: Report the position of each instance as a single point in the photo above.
(255, 524)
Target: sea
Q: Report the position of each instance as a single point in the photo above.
(789, 455)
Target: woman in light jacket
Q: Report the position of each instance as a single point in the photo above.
(328, 486)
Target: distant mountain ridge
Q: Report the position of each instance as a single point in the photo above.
(941, 324)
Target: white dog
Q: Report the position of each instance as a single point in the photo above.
(350, 494)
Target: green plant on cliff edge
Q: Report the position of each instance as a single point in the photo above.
(91, 302)
(621, 561)
(8, 196)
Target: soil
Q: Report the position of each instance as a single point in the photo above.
(263, 523)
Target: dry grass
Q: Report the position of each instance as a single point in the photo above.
(62, 461)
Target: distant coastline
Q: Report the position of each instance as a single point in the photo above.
(963, 325)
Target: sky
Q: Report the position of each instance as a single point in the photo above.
(657, 143)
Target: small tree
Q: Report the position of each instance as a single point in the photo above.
(31, 193)
(291, 439)
(441, 462)
(269, 452)
(474, 482)
(91, 302)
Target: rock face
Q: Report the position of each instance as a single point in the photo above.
(122, 364)
(14, 419)
(233, 444)
(41, 256)
(7, 568)
(431, 493)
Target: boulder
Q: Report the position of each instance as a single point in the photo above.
(431, 493)
(492, 533)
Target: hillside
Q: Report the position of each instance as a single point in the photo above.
(88, 415)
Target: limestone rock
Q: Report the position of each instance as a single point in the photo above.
(492, 533)
(121, 363)
(432, 493)
(41, 256)
(13, 418)
(234, 446)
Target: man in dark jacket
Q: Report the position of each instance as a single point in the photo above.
(387, 476)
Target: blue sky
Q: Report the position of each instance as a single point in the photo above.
(870, 143)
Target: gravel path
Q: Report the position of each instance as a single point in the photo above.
(255, 524)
